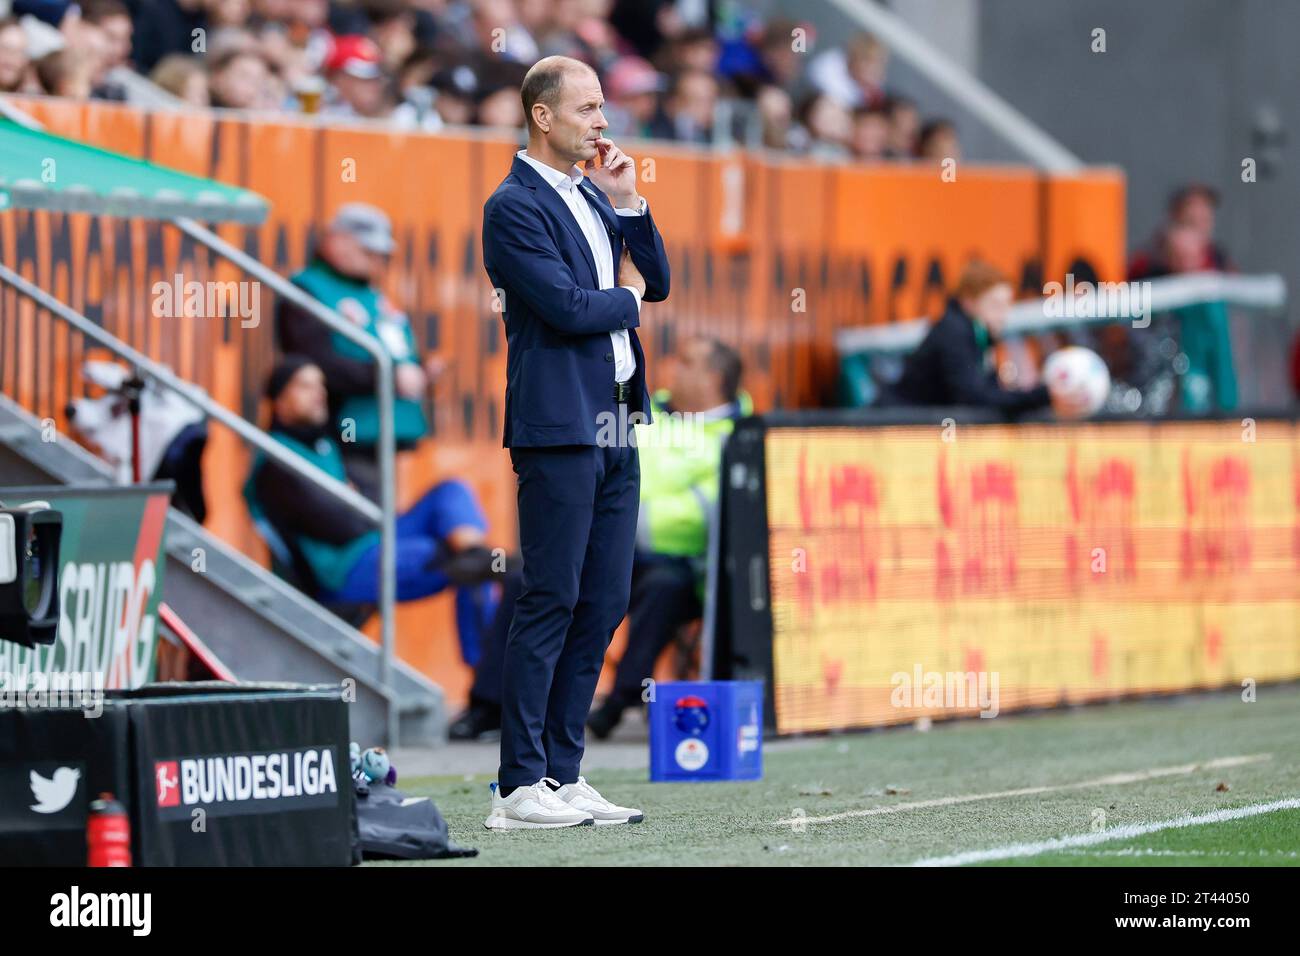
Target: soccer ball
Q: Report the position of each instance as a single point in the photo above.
(1079, 376)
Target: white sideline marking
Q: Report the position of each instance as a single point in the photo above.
(1107, 781)
(1119, 833)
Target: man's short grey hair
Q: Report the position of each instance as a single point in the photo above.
(544, 80)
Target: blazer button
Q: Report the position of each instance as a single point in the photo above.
(609, 356)
(623, 323)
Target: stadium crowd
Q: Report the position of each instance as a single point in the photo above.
(670, 70)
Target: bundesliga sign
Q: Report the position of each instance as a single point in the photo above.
(303, 778)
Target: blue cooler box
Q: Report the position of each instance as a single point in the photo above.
(707, 730)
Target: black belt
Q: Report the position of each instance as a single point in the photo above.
(622, 392)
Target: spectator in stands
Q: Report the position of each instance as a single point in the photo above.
(688, 111)
(499, 103)
(65, 73)
(1210, 381)
(825, 127)
(334, 551)
(904, 127)
(680, 467)
(240, 80)
(344, 275)
(231, 14)
(166, 26)
(1193, 205)
(938, 142)
(632, 87)
(93, 50)
(775, 112)
(15, 65)
(852, 75)
(113, 18)
(870, 141)
(356, 73)
(1185, 243)
(693, 49)
(392, 27)
(184, 77)
(948, 367)
(501, 108)
(779, 61)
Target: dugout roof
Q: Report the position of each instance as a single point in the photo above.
(39, 170)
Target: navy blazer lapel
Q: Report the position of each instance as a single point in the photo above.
(607, 217)
(551, 200)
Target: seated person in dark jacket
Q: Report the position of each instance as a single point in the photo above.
(440, 541)
(948, 368)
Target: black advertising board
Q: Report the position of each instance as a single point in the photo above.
(243, 779)
(211, 774)
(53, 762)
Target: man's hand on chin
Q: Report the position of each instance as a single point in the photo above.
(629, 274)
(615, 176)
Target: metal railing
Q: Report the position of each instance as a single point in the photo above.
(1031, 316)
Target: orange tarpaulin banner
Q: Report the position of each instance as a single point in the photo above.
(772, 255)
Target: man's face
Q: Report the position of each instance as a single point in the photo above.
(240, 84)
(304, 400)
(344, 252)
(13, 58)
(870, 136)
(696, 98)
(118, 30)
(991, 308)
(1197, 213)
(694, 382)
(576, 121)
(365, 95)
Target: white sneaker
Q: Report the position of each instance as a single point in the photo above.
(583, 796)
(534, 808)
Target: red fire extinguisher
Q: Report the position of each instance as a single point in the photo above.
(108, 833)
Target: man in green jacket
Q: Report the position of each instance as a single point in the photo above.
(344, 275)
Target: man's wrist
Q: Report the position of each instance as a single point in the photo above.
(630, 201)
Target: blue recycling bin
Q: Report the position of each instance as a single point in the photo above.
(706, 730)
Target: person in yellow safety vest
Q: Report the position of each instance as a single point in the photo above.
(681, 459)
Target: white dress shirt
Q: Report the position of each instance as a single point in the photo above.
(589, 222)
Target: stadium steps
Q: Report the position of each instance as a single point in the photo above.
(259, 626)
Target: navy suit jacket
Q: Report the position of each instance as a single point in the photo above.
(560, 359)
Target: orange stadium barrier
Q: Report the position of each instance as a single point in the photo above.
(773, 255)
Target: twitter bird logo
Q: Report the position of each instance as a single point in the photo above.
(56, 793)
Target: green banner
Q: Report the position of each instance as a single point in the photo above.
(110, 582)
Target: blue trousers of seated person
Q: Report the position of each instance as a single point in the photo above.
(444, 507)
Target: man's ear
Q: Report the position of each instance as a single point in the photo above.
(542, 117)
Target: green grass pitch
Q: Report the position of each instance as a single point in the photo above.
(899, 796)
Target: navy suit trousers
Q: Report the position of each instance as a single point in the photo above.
(577, 533)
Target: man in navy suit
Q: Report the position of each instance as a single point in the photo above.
(572, 259)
